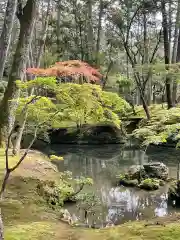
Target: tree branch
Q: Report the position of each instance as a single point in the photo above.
(130, 24)
(156, 47)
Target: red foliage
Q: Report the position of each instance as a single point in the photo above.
(74, 68)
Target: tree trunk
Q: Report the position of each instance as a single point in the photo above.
(4, 183)
(1, 227)
(27, 19)
(145, 106)
(89, 31)
(175, 54)
(43, 34)
(6, 34)
(166, 53)
(99, 31)
(17, 142)
(146, 60)
(143, 100)
(58, 31)
(170, 27)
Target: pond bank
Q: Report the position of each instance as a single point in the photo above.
(27, 217)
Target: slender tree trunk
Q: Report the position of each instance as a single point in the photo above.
(59, 29)
(175, 49)
(6, 34)
(178, 171)
(170, 27)
(99, 31)
(4, 183)
(27, 18)
(146, 60)
(90, 32)
(17, 144)
(43, 34)
(166, 53)
(1, 227)
(143, 100)
(145, 106)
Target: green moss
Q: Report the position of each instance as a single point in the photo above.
(163, 125)
(56, 231)
(127, 181)
(150, 184)
(27, 216)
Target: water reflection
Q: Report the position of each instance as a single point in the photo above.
(129, 204)
(119, 204)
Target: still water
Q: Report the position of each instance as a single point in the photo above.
(118, 204)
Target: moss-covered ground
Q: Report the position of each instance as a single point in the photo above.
(27, 217)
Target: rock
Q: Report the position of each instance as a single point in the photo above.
(174, 193)
(162, 183)
(156, 170)
(149, 176)
(99, 134)
(129, 183)
(150, 184)
(136, 172)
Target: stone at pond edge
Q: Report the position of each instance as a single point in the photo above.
(150, 176)
(136, 172)
(128, 183)
(150, 170)
(156, 170)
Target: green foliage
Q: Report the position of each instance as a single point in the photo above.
(89, 104)
(56, 194)
(53, 157)
(84, 181)
(123, 81)
(68, 103)
(40, 113)
(163, 125)
(42, 82)
(88, 202)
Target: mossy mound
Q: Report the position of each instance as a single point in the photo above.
(127, 181)
(150, 184)
(150, 176)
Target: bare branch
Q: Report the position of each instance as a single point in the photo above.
(130, 24)
(156, 47)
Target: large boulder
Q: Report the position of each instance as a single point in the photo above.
(156, 170)
(102, 133)
(136, 172)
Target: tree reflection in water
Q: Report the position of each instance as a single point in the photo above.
(119, 204)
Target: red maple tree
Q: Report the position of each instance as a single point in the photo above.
(73, 68)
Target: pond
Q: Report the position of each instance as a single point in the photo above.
(117, 204)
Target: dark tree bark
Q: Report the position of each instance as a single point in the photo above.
(166, 53)
(5, 38)
(26, 16)
(175, 53)
(1, 227)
